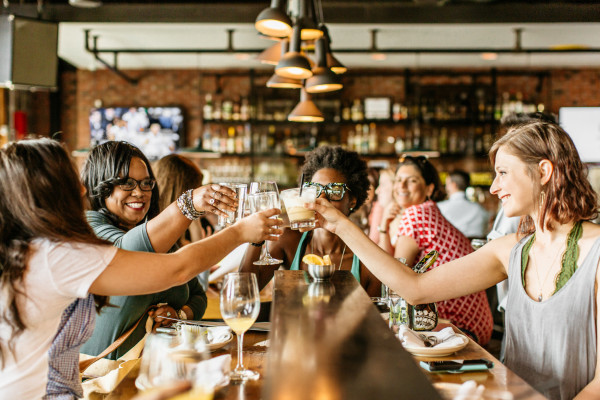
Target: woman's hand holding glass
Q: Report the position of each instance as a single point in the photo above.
(214, 198)
(163, 311)
(328, 217)
(259, 226)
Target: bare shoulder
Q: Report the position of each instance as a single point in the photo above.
(591, 231)
(503, 244)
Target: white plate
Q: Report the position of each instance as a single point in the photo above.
(217, 345)
(437, 351)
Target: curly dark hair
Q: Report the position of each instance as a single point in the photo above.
(569, 196)
(40, 197)
(348, 163)
(101, 171)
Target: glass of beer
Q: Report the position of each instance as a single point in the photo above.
(300, 217)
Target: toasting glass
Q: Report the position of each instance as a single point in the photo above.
(264, 196)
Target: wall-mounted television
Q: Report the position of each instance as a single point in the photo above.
(28, 55)
(583, 125)
(157, 131)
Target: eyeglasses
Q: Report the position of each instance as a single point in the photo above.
(129, 184)
(333, 191)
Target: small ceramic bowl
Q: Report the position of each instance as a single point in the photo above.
(320, 272)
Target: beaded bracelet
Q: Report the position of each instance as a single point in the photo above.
(185, 202)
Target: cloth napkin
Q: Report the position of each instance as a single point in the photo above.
(445, 338)
(218, 334)
(213, 373)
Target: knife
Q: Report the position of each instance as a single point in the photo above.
(257, 326)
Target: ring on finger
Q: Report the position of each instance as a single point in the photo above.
(211, 202)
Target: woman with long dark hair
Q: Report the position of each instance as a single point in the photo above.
(50, 257)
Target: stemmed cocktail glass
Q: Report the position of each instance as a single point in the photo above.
(240, 304)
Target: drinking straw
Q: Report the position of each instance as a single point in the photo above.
(301, 183)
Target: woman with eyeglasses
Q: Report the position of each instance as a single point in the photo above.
(55, 271)
(340, 176)
(423, 228)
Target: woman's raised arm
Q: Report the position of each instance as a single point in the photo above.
(133, 273)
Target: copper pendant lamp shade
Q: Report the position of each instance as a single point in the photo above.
(271, 55)
(306, 110)
(323, 79)
(280, 82)
(334, 64)
(294, 64)
(307, 19)
(274, 21)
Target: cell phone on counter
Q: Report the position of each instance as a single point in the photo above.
(457, 366)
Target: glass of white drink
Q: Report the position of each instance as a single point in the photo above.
(240, 304)
(299, 216)
(240, 190)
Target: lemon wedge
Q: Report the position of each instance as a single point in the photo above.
(326, 259)
(313, 259)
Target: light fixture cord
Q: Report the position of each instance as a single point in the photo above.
(319, 8)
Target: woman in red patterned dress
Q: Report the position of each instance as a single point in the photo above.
(423, 228)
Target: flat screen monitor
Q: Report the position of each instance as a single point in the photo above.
(583, 125)
(157, 131)
(28, 55)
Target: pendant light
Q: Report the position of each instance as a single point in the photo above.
(273, 21)
(271, 55)
(323, 79)
(294, 64)
(307, 19)
(280, 82)
(333, 63)
(306, 110)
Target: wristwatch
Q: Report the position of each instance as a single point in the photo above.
(181, 314)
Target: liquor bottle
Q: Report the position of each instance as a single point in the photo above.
(207, 110)
(350, 140)
(373, 139)
(245, 110)
(206, 139)
(235, 115)
(239, 140)
(357, 110)
(217, 110)
(216, 141)
(396, 111)
(227, 111)
(399, 145)
(230, 147)
(364, 144)
(443, 141)
(346, 114)
(247, 138)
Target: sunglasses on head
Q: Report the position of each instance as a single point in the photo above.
(129, 184)
(421, 160)
(334, 191)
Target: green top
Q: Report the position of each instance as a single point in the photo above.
(568, 259)
(114, 321)
(302, 249)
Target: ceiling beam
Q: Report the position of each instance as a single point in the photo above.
(365, 12)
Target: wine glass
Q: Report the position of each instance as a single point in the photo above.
(240, 304)
(264, 196)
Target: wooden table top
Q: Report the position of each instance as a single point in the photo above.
(331, 340)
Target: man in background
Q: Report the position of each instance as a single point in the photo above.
(468, 217)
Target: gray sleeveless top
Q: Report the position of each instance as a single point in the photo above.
(552, 344)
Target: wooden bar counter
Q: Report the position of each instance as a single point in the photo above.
(329, 342)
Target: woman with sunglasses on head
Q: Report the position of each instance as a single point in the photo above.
(340, 176)
(423, 228)
(55, 271)
(124, 199)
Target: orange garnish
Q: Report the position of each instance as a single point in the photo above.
(327, 259)
(313, 259)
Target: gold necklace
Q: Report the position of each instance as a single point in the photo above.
(537, 273)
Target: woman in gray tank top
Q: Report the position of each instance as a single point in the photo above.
(551, 262)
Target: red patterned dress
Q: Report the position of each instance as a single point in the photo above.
(426, 225)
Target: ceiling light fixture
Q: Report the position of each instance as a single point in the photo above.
(334, 64)
(307, 19)
(280, 82)
(306, 110)
(294, 64)
(375, 53)
(271, 55)
(323, 79)
(273, 21)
